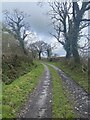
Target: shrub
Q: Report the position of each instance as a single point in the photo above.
(14, 66)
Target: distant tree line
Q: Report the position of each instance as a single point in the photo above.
(40, 47)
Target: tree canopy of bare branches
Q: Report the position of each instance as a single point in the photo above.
(39, 47)
(16, 23)
(68, 21)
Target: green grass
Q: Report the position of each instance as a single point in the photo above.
(11, 72)
(76, 74)
(15, 94)
(61, 108)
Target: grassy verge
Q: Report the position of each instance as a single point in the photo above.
(76, 74)
(15, 94)
(14, 68)
(61, 107)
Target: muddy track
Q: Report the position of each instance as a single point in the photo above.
(77, 95)
(39, 104)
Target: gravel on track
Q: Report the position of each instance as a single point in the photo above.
(77, 95)
(39, 104)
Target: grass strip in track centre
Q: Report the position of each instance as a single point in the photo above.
(61, 108)
(76, 74)
(15, 94)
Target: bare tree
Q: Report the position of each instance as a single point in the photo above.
(17, 25)
(48, 51)
(49, 48)
(68, 21)
(39, 47)
(79, 22)
(61, 23)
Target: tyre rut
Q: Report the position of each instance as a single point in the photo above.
(40, 101)
(77, 95)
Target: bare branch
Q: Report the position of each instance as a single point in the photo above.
(16, 21)
(85, 19)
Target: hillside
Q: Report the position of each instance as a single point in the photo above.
(14, 62)
(10, 45)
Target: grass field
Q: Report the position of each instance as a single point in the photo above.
(15, 94)
(61, 108)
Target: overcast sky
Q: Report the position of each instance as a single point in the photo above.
(39, 21)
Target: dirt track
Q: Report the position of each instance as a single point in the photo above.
(77, 96)
(39, 104)
(40, 101)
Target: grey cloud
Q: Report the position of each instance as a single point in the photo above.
(39, 21)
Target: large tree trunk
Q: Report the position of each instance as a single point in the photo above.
(68, 54)
(75, 55)
(39, 55)
(48, 54)
(24, 50)
(75, 52)
(67, 48)
(74, 41)
(23, 47)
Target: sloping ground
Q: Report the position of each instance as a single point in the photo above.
(75, 72)
(15, 94)
(14, 62)
(56, 96)
(10, 46)
(15, 67)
